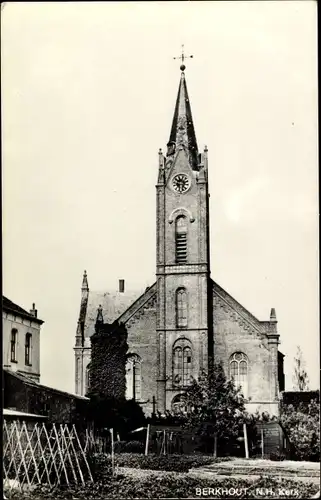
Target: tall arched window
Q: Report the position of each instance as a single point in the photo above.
(181, 308)
(28, 347)
(13, 345)
(239, 371)
(182, 363)
(181, 239)
(134, 377)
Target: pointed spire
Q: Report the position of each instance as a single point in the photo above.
(84, 286)
(182, 133)
(100, 318)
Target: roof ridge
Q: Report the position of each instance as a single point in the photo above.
(149, 292)
(29, 381)
(12, 306)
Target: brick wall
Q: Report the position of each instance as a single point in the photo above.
(142, 341)
(233, 334)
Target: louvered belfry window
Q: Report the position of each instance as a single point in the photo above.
(181, 240)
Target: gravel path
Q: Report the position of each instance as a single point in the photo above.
(203, 473)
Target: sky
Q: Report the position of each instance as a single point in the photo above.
(88, 95)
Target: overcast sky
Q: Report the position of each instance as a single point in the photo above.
(88, 94)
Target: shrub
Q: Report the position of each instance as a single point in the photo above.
(166, 486)
(120, 414)
(277, 456)
(129, 447)
(302, 426)
(170, 463)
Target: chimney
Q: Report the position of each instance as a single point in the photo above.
(121, 286)
(273, 315)
(33, 311)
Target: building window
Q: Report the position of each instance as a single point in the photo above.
(13, 345)
(181, 308)
(239, 372)
(134, 377)
(181, 240)
(28, 349)
(182, 363)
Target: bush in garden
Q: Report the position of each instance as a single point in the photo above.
(215, 406)
(129, 447)
(302, 425)
(277, 456)
(170, 463)
(120, 414)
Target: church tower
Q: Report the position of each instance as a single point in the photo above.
(184, 326)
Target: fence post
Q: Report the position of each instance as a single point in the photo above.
(112, 451)
(164, 442)
(215, 445)
(246, 444)
(147, 440)
(262, 441)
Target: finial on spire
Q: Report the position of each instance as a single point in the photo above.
(84, 285)
(100, 318)
(183, 57)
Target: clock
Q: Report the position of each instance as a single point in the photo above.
(181, 183)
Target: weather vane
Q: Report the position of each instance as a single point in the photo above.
(183, 57)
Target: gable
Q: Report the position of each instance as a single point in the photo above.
(234, 311)
(146, 301)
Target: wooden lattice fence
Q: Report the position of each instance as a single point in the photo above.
(42, 454)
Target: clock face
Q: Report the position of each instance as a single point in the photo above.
(181, 183)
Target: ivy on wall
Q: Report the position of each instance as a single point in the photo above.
(108, 360)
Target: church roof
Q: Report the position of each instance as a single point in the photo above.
(113, 304)
(122, 306)
(182, 132)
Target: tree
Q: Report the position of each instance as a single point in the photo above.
(108, 359)
(302, 425)
(108, 407)
(215, 407)
(300, 377)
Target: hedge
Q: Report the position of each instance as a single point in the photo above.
(169, 486)
(173, 463)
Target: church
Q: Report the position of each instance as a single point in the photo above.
(184, 319)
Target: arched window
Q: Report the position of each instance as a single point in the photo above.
(239, 371)
(13, 345)
(134, 377)
(181, 308)
(181, 239)
(28, 347)
(182, 363)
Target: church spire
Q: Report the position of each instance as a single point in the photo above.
(182, 133)
(84, 286)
